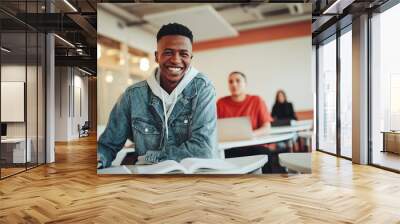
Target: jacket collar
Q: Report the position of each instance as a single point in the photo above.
(188, 93)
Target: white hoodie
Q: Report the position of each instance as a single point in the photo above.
(169, 100)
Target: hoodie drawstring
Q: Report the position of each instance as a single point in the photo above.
(168, 113)
(165, 116)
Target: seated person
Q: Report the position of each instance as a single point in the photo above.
(282, 109)
(239, 104)
(171, 115)
(283, 113)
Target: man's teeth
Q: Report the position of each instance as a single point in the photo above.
(174, 69)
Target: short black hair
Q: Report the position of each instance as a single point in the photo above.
(174, 29)
(239, 73)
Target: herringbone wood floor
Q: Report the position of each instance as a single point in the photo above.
(69, 191)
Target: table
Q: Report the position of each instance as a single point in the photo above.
(297, 126)
(391, 141)
(256, 141)
(222, 146)
(299, 162)
(17, 151)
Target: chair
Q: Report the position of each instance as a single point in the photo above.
(84, 130)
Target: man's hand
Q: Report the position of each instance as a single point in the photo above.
(142, 161)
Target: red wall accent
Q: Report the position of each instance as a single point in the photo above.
(264, 34)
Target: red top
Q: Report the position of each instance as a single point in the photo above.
(253, 107)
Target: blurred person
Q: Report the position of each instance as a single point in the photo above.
(282, 109)
(240, 104)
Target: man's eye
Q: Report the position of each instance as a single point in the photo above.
(167, 53)
(185, 55)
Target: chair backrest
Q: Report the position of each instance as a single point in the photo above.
(86, 125)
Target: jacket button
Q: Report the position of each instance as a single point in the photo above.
(185, 121)
(146, 130)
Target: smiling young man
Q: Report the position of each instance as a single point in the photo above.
(169, 116)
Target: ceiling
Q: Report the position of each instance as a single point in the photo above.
(332, 15)
(224, 19)
(73, 20)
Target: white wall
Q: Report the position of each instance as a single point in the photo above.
(269, 66)
(66, 119)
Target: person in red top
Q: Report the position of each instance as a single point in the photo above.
(240, 104)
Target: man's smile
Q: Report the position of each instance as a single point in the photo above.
(174, 69)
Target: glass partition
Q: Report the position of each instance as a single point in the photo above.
(22, 88)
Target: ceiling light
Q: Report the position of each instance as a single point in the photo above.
(109, 78)
(5, 50)
(84, 71)
(144, 64)
(64, 40)
(337, 7)
(70, 5)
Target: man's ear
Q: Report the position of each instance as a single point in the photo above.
(155, 56)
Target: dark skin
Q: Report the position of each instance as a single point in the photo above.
(173, 55)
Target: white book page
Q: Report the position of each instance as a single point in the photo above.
(193, 165)
(159, 168)
(115, 170)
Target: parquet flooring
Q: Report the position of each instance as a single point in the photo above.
(69, 191)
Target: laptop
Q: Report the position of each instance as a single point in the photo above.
(281, 122)
(234, 129)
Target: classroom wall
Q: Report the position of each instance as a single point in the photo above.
(71, 102)
(269, 66)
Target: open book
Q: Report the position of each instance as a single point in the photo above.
(238, 165)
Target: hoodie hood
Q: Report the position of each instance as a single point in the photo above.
(169, 100)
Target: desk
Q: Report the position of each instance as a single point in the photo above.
(298, 126)
(17, 151)
(222, 146)
(299, 162)
(243, 165)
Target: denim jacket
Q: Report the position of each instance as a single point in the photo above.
(138, 116)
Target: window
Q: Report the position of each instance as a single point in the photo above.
(327, 97)
(346, 94)
(385, 84)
